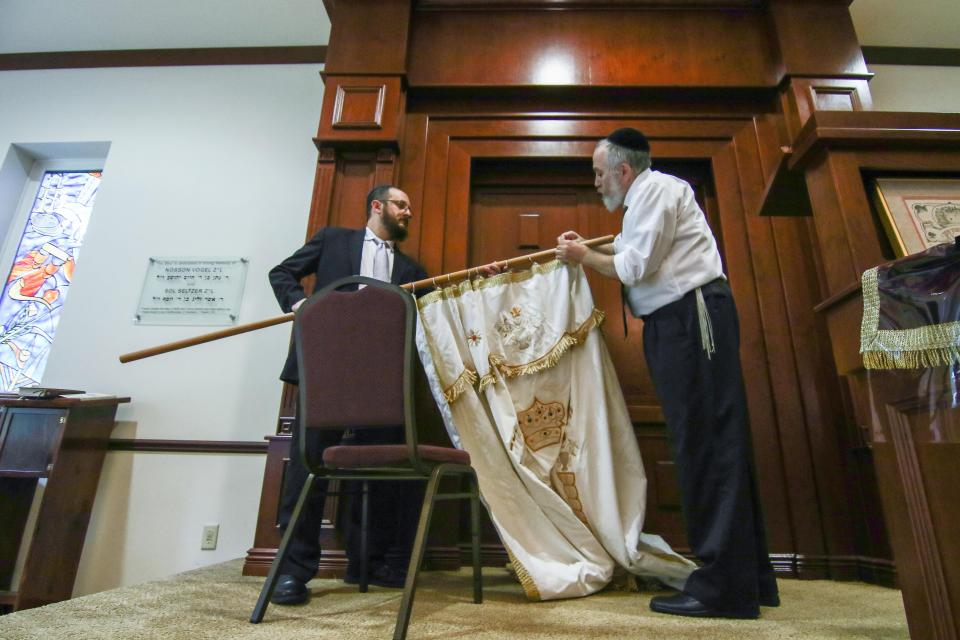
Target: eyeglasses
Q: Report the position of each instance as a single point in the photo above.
(402, 205)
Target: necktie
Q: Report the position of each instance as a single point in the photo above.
(381, 265)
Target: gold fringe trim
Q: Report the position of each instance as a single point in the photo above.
(552, 357)
(931, 346)
(464, 382)
(529, 586)
(486, 381)
(911, 359)
(457, 290)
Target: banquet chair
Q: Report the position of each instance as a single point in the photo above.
(355, 351)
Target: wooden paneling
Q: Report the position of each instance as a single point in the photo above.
(917, 441)
(879, 131)
(653, 47)
(368, 37)
(816, 38)
(802, 97)
(361, 109)
(455, 147)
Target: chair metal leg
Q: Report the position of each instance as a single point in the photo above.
(271, 582)
(475, 538)
(365, 537)
(416, 556)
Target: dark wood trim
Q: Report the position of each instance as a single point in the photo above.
(918, 56)
(878, 571)
(333, 562)
(838, 297)
(162, 57)
(139, 445)
(872, 130)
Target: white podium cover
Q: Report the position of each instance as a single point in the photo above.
(525, 383)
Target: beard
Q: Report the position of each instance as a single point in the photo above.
(397, 231)
(613, 200)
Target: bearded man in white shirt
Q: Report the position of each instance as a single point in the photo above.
(666, 257)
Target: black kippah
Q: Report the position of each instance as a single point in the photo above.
(629, 138)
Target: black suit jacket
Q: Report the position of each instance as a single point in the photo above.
(331, 254)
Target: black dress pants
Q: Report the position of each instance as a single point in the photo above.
(394, 507)
(704, 404)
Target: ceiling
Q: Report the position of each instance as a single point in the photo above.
(83, 25)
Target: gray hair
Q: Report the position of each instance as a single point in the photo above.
(639, 161)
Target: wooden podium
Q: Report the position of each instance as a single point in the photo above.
(916, 443)
(60, 443)
(914, 438)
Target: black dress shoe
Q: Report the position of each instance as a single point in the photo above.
(381, 575)
(290, 590)
(682, 604)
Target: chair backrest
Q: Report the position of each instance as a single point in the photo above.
(354, 351)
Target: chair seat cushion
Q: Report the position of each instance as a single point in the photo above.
(384, 455)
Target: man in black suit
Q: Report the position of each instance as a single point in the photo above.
(331, 254)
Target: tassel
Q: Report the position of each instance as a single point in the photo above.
(706, 328)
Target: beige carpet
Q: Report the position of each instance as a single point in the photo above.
(215, 602)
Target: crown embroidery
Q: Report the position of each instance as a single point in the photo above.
(542, 424)
(519, 327)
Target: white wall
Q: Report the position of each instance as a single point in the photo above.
(80, 25)
(203, 161)
(913, 88)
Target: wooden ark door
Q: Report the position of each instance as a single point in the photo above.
(519, 207)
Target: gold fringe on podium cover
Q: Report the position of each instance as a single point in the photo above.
(526, 386)
(917, 347)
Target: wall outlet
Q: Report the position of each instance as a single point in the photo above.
(209, 540)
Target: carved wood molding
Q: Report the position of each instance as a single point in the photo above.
(162, 57)
(361, 110)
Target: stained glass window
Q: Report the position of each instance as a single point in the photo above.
(39, 280)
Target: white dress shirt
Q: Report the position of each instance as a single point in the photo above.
(665, 248)
(370, 240)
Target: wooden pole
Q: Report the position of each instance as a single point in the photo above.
(446, 279)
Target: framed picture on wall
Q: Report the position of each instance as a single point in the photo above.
(918, 213)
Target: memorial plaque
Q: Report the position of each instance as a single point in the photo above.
(192, 291)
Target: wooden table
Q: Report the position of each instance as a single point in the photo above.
(62, 440)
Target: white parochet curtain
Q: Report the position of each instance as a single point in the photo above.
(520, 370)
